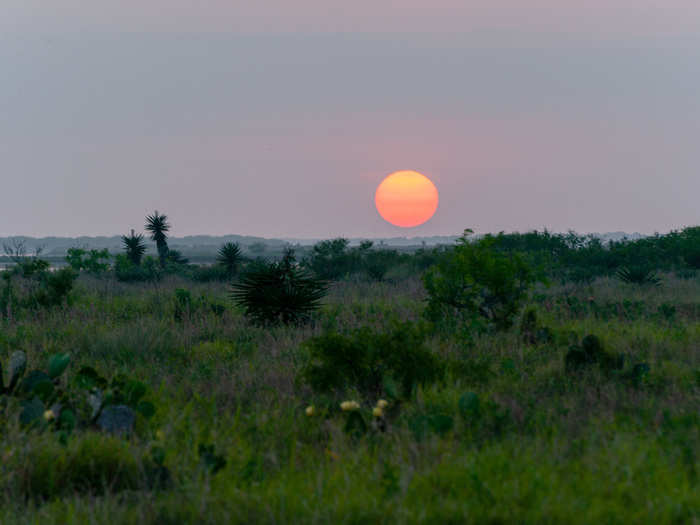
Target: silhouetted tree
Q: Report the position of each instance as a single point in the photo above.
(279, 292)
(229, 257)
(134, 247)
(157, 225)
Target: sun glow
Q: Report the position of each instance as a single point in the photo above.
(406, 198)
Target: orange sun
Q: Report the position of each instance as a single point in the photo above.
(406, 198)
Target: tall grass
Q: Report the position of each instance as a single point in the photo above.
(548, 447)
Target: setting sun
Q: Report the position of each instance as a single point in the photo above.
(406, 198)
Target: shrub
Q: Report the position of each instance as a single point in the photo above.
(478, 284)
(183, 304)
(378, 262)
(126, 271)
(374, 363)
(590, 352)
(55, 287)
(331, 259)
(531, 330)
(278, 292)
(205, 274)
(88, 261)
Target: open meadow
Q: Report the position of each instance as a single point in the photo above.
(583, 408)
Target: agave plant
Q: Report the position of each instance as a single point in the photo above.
(279, 292)
(134, 247)
(229, 257)
(157, 225)
(638, 275)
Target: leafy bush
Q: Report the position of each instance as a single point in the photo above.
(590, 352)
(278, 292)
(211, 273)
(88, 261)
(478, 284)
(374, 363)
(331, 259)
(531, 330)
(183, 304)
(378, 262)
(126, 271)
(55, 287)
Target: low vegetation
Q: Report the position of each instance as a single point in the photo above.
(512, 378)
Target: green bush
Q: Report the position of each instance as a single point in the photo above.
(55, 287)
(378, 262)
(278, 292)
(126, 271)
(331, 260)
(374, 363)
(477, 284)
(88, 261)
(590, 352)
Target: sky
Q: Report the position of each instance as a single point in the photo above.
(280, 119)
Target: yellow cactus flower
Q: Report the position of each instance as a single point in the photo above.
(377, 411)
(347, 406)
(310, 410)
(49, 415)
(382, 403)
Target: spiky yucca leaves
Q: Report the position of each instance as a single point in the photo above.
(279, 292)
(229, 257)
(157, 225)
(638, 275)
(134, 247)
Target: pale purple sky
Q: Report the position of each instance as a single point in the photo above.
(280, 118)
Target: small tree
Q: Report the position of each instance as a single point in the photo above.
(374, 363)
(157, 225)
(331, 259)
(279, 292)
(229, 257)
(92, 261)
(478, 284)
(134, 247)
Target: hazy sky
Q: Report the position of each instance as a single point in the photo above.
(279, 118)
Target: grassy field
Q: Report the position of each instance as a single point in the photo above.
(507, 436)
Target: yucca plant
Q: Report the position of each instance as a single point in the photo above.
(638, 275)
(278, 292)
(229, 257)
(157, 225)
(134, 247)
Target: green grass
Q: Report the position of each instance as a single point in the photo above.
(545, 447)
